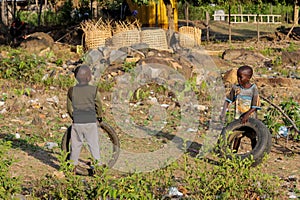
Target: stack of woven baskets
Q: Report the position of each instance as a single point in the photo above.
(96, 33)
(125, 33)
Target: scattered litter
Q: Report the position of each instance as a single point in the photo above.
(292, 178)
(191, 130)
(164, 105)
(45, 77)
(3, 111)
(34, 103)
(63, 128)
(53, 100)
(174, 192)
(17, 135)
(292, 195)
(64, 116)
(200, 107)
(152, 100)
(51, 145)
(283, 131)
(2, 103)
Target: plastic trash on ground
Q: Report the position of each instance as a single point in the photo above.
(283, 131)
(174, 192)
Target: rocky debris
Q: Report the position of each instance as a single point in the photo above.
(37, 42)
(290, 58)
(51, 145)
(230, 76)
(246, 57)
(106, 62)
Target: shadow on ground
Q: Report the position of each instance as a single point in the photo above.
(32, 150)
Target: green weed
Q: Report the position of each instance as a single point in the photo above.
(267, 51)
(274, 119)
(292, 47)
(227, 179)
(277, 61)
(106, 85)
(30, 69)
(128, 66)
(9, 186)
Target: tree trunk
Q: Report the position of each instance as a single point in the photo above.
(296, 13)
(257, 27)
(14, 8)
(207, 26)
(4, 15)
(186, 9)
(40, 13)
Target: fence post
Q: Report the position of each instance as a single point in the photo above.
(257, 27)
(229, 23)
(207, 26)
(296, 13)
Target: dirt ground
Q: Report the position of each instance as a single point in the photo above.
(34, 160)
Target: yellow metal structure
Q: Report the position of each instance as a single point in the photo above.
(154, 14)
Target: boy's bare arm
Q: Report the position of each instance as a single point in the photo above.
(224, 110)
(245, 116)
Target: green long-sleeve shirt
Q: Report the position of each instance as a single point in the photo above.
(84, 103)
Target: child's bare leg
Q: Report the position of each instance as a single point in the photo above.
(236, 143)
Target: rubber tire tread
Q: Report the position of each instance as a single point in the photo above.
(264, 139)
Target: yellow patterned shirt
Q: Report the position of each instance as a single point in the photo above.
(244, 99)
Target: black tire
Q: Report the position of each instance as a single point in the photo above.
(109, 147)
(255, 132)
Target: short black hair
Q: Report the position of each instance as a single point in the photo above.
(83, 73)
(246, 68)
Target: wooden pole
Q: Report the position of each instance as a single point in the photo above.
(257, 27)
(186, 7)
(207, 26)
(295, 19)
(14, 9)
(296, 12)
(229, 23)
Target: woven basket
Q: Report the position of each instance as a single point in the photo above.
(189, 36)
(126, 38)
(155, 38)
(96, 32)
(96, 38)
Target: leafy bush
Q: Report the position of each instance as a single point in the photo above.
(274, 119)
(27, 68)
(30, 69)
(8, 185)
(227, 179)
